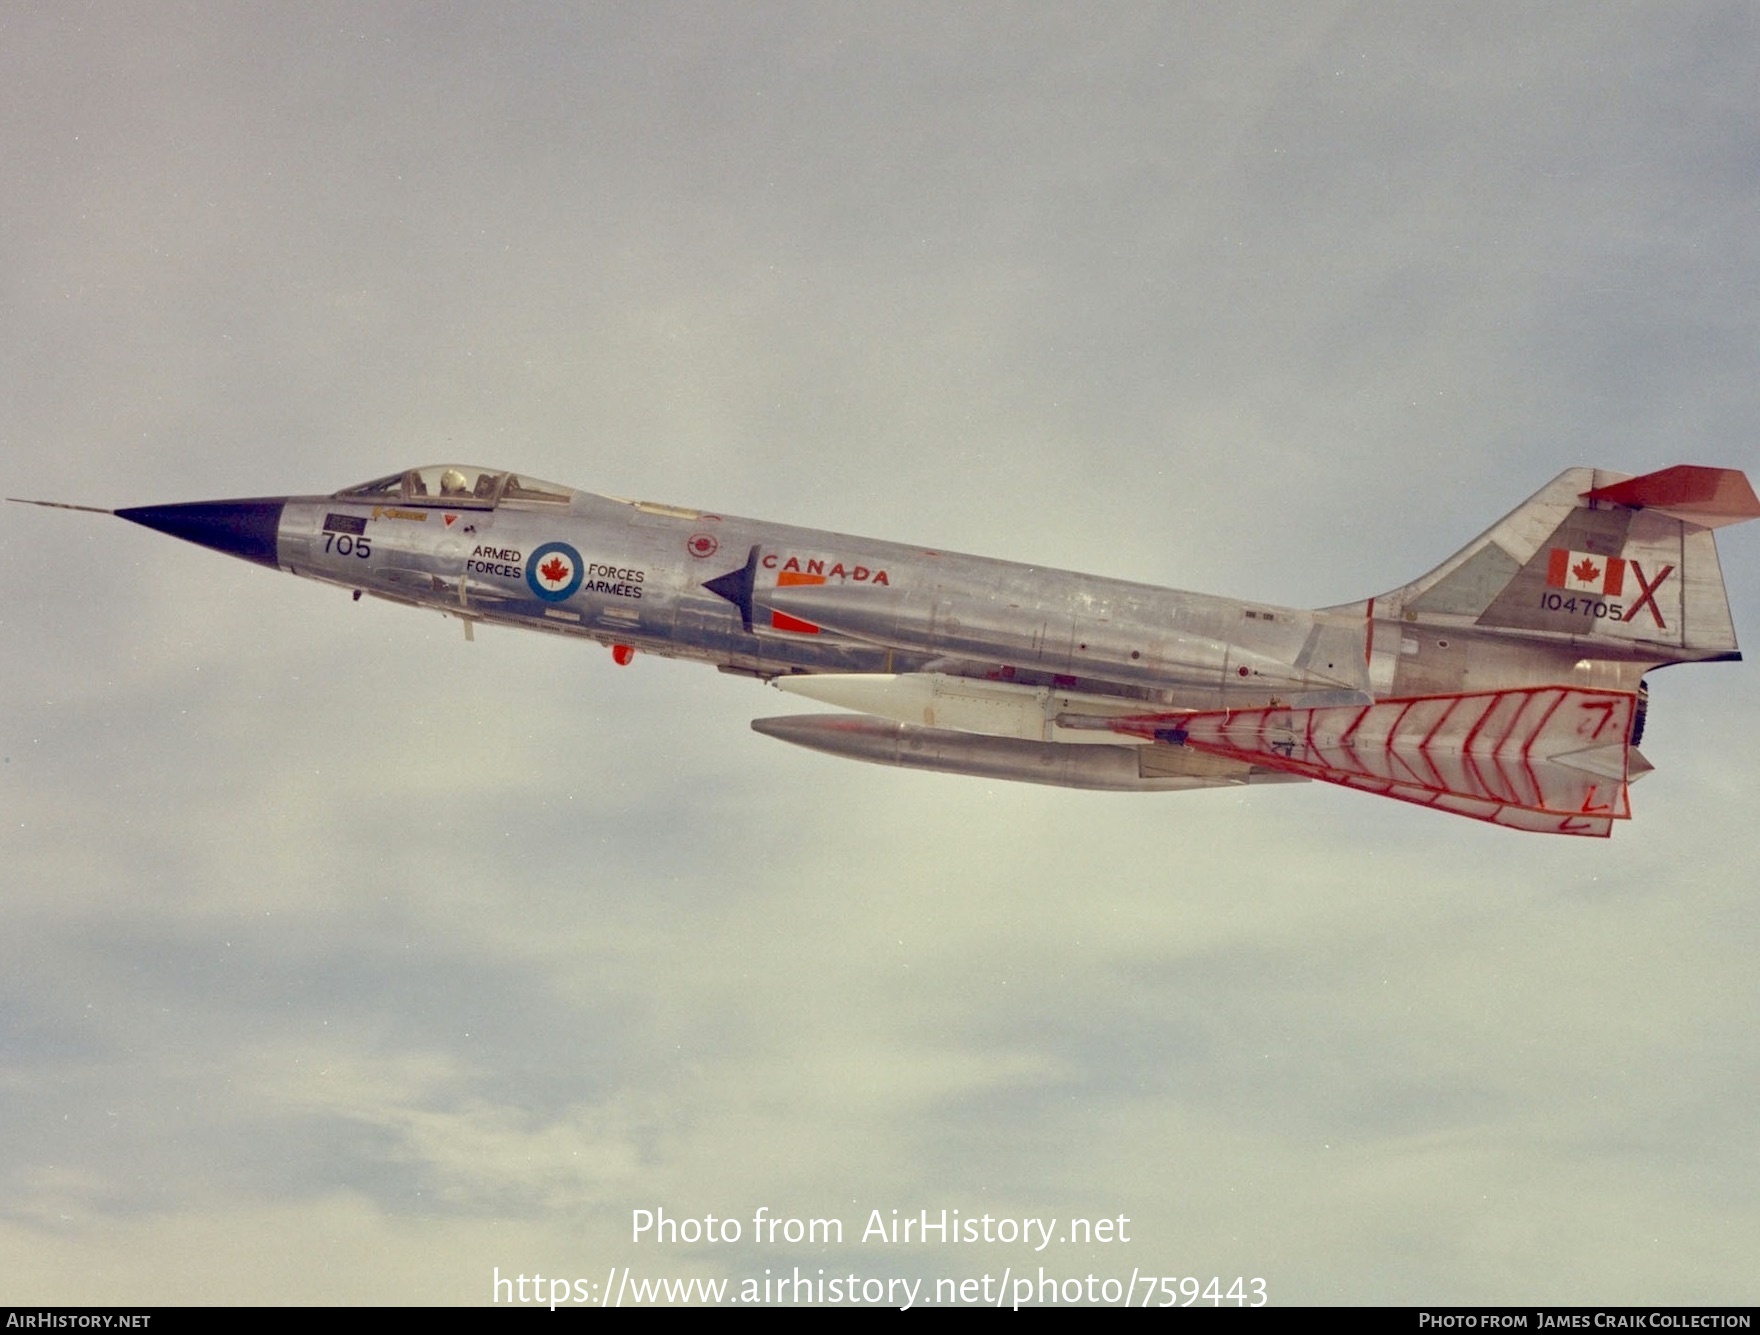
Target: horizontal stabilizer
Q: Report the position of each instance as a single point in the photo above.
(1708, 497)
(1553, 759)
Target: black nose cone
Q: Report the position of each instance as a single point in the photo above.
(239, 528)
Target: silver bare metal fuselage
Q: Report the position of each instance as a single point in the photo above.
(824, 602)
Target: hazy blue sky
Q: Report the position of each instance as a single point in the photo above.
(343, 960)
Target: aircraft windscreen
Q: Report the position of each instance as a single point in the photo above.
(380, 489)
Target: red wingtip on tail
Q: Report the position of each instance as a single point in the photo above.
(1708, 497)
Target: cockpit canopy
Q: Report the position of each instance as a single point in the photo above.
(457, 487)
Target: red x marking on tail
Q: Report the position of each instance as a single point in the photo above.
(1647, 593)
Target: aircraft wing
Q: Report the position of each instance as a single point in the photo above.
(1554, 759)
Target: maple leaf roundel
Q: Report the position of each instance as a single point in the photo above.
(553, 571)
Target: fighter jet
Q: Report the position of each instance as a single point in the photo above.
(1506, 685)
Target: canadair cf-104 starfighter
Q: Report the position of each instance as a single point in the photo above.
(1506, 685)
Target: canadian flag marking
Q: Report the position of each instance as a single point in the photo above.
(1584, 572)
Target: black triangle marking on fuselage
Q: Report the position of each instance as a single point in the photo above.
(736, 586)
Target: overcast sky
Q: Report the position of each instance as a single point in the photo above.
(343, 960)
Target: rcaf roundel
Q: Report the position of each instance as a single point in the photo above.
(553, 571)
(1584, 572)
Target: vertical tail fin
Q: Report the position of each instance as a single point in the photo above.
(1626, 562)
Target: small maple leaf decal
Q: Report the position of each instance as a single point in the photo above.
(554, 571)
(1586, 570)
